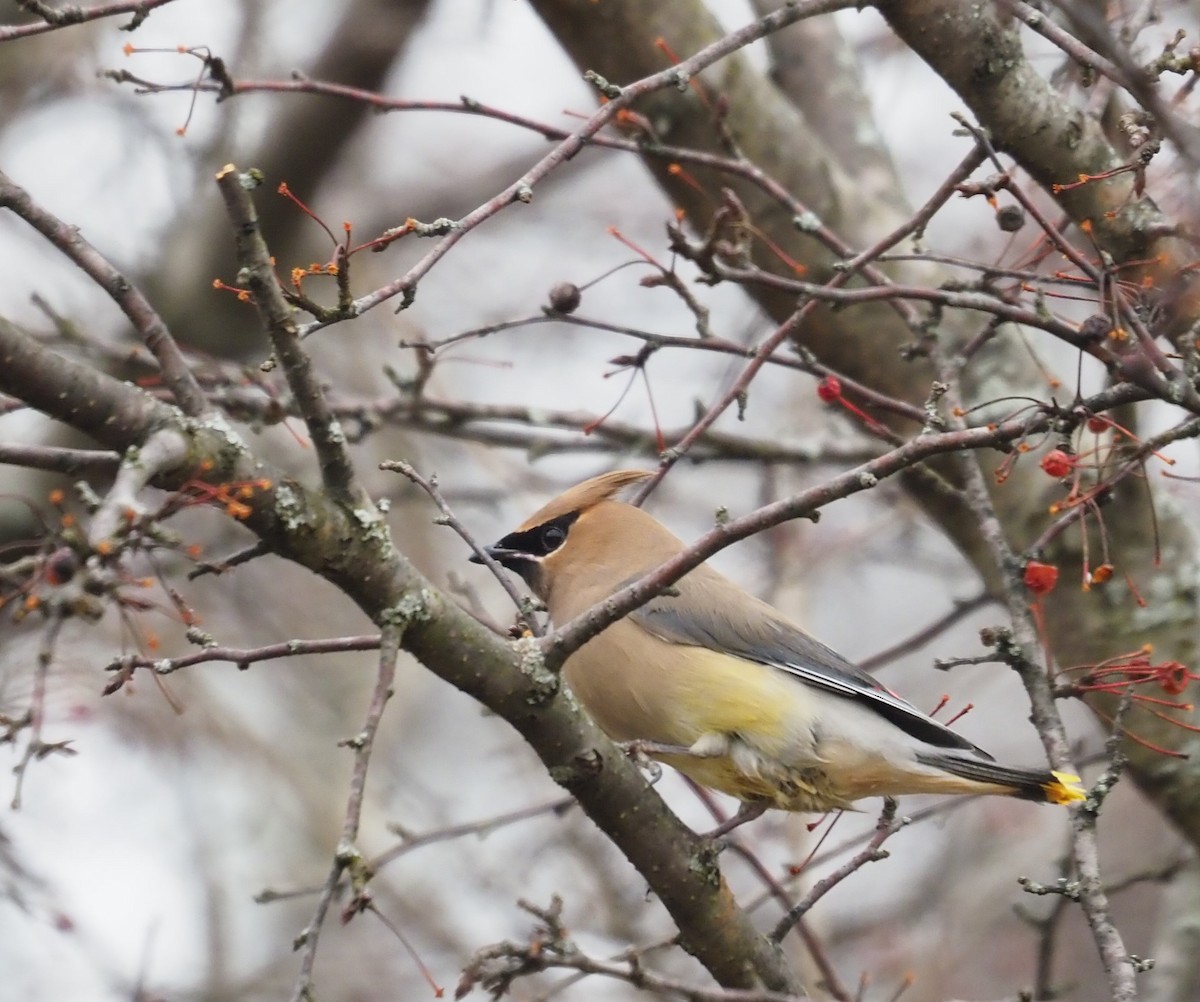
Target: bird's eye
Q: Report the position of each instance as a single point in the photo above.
(552, 538)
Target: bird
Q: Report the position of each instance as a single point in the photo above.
(721, 686)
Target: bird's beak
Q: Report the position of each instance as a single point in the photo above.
(499, 554)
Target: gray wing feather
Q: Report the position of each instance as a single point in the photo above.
(708, 618)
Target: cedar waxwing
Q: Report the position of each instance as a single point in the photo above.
(722, 687)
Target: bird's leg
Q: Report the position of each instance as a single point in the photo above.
(640, 751)
(748, 811)
(639, 748)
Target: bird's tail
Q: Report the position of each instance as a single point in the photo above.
(1042, 785)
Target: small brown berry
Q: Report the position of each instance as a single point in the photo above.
(565, 298)
(1010, 218)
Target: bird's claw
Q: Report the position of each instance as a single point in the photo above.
(641, 753)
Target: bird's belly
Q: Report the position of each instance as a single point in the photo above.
(814, 785)
(792, 789)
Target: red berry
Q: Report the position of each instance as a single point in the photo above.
(1058, 463)
(829, 389)
(1040, 578)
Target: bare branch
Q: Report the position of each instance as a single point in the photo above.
(348, 858)
(885, 828)
(620, 98)
(54, 18)
(243, 657)
(1020, 650)
(125, 294)
(448, 517)
(337, 470)
(73, 462)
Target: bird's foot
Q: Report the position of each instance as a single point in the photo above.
(644, 752)
(640, 753)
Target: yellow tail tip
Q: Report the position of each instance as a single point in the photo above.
(1064, 790)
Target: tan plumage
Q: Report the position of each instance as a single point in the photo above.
(721, 686)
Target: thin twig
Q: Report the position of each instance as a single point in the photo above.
(35, 747)
(254, 258)
(885, 827)
(243, 657)
(448, 518)
(1049, 29)
(411, 842)
(54, 18)
(244, 556)
(347, 857)
(73, 462)
(962, 607)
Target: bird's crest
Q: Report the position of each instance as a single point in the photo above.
(586, 495)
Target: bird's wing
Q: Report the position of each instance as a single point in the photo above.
(711, 612)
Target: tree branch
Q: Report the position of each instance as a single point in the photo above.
(54, 18)
(254, 259)
(125, 294)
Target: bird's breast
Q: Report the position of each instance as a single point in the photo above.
(638, 686)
